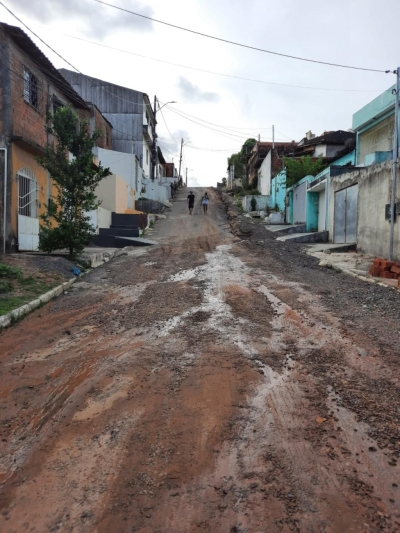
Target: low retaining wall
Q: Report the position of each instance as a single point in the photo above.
(16, 314)
(262, 202)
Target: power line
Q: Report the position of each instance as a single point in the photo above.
(165, 122)
(240, 133)
(211, 71)
(37, 36)
(66, 61)
(240, 44)
(231, 136)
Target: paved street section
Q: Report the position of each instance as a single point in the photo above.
(212, 383)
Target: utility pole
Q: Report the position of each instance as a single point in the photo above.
(153, 172)
(186, 176)
(180, 160)
(154, 147)
(395, 158)
(273, 137)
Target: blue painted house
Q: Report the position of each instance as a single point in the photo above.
(308, 199)
(374, 126)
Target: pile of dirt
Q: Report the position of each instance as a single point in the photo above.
(32, 265)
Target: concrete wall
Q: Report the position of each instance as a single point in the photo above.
(377, 157)
(123, 165)
(278, 191)
(376, 108)
(262, 202)
(146, 160)
(115, 195)
(374, 185)
(100, 218)
(156, 191)
(264, 176)
(320, 151)
(379, 138)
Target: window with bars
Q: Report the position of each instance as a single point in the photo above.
(31, 88)
(57, 104)
(27, 193)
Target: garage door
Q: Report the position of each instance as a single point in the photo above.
(345, 218)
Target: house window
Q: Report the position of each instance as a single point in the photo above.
(147, 156)
(27, 193)
(31, 88)
(57, 104)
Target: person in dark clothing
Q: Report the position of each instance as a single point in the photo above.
(191, 198)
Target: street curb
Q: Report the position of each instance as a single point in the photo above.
(363, 278)
(20, 312)
(16, 314)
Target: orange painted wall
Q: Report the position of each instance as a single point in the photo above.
(21, 157)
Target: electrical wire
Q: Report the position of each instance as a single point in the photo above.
(165, 122)
(52, 75)
(211, 71)
(231, 136)
(241, 44)
(37, 36)
(242, 134)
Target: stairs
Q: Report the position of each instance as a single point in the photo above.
(124, 231)
(315, 236)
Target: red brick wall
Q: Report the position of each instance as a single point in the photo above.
(27, 121)
(99, 123)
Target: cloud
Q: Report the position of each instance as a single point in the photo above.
(97, 20)
(168, 146)
(193, 182)
(192, 93)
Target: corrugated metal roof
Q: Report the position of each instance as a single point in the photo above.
(26, 44)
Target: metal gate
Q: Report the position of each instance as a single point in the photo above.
(345, 218)
(28, 222)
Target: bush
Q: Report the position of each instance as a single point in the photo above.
(9, 272)
(6, 286)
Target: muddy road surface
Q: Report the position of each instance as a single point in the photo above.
(202, 385)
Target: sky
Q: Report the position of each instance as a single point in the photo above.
(214, 111)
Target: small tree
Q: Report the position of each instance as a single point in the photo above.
(296, 169)
(240, 160)
(70, 165)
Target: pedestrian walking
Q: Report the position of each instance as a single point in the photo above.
(205, 201)
(191, 198)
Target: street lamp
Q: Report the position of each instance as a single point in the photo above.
(172, 102)
(154, 147)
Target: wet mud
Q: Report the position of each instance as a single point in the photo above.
(197, 386)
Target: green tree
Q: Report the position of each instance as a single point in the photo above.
(296, 169)
(240, 160)
(70, 164)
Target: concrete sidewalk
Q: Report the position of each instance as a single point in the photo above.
(350, 262)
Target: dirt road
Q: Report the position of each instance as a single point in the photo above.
(201, 386)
